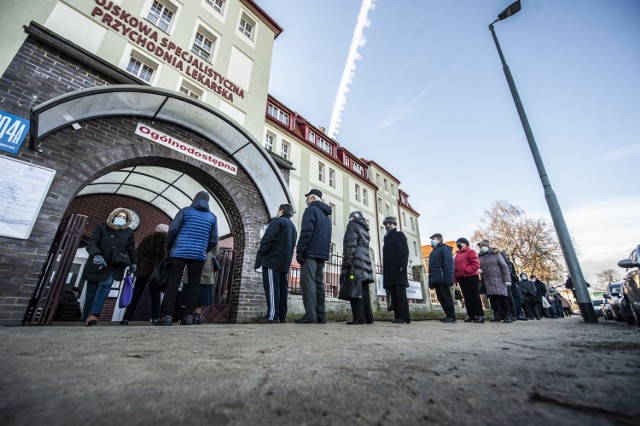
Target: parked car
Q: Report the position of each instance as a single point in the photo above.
(597, 305)
(607, 310)
(631, 285)
(614, 297)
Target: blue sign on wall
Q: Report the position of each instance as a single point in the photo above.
(12, 132)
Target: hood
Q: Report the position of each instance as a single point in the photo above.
(200, 204)
(361, 222)
(326, 209)
(491, 251)
(113, 214)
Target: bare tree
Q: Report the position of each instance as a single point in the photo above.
(532, 243)
(607, 276)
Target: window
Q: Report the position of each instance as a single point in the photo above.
(365, 197)
(404, 219)
(160, 15)
(388, 209)
(379, 205)
(268, 142)
(140, 70)
(190, 92)
(284, 150)
(333, 213)
(312, 137)
(345, 161)
(321, 172)
(415, 248)
(393, 190)
(358, 168)
(325, 146)
(413, 226)
(278, 114)
(217, 5)
(247, 26)
(332, 178)
(357, 192)
(202, 46)
(386, 185)
(378, 179)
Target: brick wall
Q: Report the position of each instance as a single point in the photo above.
(101, 146)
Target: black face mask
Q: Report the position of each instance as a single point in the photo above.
(459, 246)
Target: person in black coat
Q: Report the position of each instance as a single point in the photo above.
(108, 242)
(441, 268)
(356, 260)
(312, 252)
(541, 291)
(274, 256)
(395, 256)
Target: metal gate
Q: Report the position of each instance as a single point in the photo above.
(43, 304)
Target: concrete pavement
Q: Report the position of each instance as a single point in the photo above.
(560, 372)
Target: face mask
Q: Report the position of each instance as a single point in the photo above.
(388, 227)
(119, 221)
(484, 249)
(523, 277)
(434, 243)
(459, 246)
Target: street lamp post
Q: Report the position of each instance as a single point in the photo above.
(582, 295)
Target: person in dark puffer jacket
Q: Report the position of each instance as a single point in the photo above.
(192, 233)
(150, 252)
(441, 270)
(357, 260)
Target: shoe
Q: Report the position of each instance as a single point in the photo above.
(508, 319)
(479, 320)
(283, 320)
(124, 322)
(154, 321)
(187, 320)
(496, 318)
(369, 322)
(268, 321)
(305, 321)
(196, 319)
(92, 320)
(469, 319)
(400, 321)
(355, 322)
(538, 318)
(165, 320)
(448, 320)
(522, 318)
(322, 321)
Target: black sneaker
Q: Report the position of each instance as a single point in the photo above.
(448, 320)
(124, 322)
(283, 320)
(165, 320)
(304, 321)
(187, 320)
(196, 319)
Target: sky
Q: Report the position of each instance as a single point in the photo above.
(426, 97)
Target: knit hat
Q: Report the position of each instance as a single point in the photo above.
(462, 240)
(390, 219)
(162, 227)
(202, 195)
(484, 243)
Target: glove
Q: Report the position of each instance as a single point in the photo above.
(300, 259)
(99, 260)
(133, 268)
(507, 283)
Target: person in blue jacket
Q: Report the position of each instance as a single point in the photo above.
(441, 267)
(192, 233)
(274, 256)
(312, 252)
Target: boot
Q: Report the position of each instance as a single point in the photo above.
(479, 320)
(196, 319)
(496, 317)
(187, 320)
(469, 319)
(508, 319)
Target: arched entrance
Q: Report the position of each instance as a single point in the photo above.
(90, 135)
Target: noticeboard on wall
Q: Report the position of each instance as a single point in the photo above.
(23, 188)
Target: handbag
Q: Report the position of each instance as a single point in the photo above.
(350, 288)
(127, 291)
(160, 275)
(117, 257)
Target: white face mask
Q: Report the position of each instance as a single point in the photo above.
(484, 249)
(119, 221)
(434, 243)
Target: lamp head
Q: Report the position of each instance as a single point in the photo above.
(512, 9)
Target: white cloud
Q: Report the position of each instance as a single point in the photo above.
(605, 231)
(622, 153)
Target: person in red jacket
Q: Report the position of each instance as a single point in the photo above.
(466, 273)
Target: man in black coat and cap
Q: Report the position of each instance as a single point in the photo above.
(395, 256)
(441, 267)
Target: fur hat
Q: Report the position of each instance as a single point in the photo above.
(390, 219)
(162, 227)
(315, 192)
(484, 243)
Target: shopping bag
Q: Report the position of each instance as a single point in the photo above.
(160, 275)
(127, 291)
(350, 288)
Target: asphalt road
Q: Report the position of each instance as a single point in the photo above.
(549, 372)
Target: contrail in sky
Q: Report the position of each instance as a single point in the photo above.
(357, 41)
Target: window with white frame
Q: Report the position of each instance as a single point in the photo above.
(332, 178)
(386, 185)
(284, 150)
(325, 146)
(247, 26)
(404, 219)
(333, 213)
(358, 168)
(161, 15)
(365, 197)
(140, 69)
(321, 172)
(393, 190)
(217, 5)
(312, 137)
(415, 248)
(379, 205)
(203, 45)
(190, 91)
(413, 226)
(345, 161)
(278, 114)
(378, 179)
(357, 192)
(268, 142)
